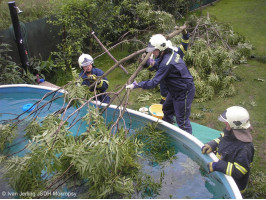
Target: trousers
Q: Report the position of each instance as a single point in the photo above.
(180, 106)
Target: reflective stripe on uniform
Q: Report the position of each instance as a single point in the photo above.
(163, 98)
(210, 166)
(170, 58)
(185, 41)
(182, 48)
(218, 156)
(240, 168)
(177, 58)
(185, 110)
(101, 83)
(217, 140)
(229, 169)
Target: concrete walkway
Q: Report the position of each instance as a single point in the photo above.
(48, 84)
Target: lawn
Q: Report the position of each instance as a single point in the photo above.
(247, 17)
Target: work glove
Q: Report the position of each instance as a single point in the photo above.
(149, 63)
(211, 167)
(132, 85)
(206, 149)
(92, 78)
(184, 32)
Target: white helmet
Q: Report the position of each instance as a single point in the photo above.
(158, 41)
(85, 60)
(236, 116)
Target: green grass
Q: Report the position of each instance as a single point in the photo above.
(251, 89)
(105, 62)
(248, 17)
(32, 10)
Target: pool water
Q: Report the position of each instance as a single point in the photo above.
(12, 105)
(183, 177)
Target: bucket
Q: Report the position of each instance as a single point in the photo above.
(156, 110)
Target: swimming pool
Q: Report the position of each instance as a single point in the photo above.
(185, 178)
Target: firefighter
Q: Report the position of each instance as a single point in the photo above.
(174, 73)
(152, 64)
(89, 74)
(234, 148)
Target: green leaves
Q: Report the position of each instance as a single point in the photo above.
(149, 187)
(76, 92)
(144, 97)
(257, 184)
(43, 158)
(215, 48)
(27, 175)
(157, 145)
(33, 129)
(8, 133)
(108, 161)
(10, 71)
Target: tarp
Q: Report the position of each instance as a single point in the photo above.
(204, 133)
(200, 3)
(39, 37)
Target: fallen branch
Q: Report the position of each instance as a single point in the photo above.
(194, 32)
(208, 41)
(95, 37)
(124, 41)
(224, 43)
(176, 32)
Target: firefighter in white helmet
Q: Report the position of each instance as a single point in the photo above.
(173, 72)
(89, 74)
(234, 148)
(152, 63)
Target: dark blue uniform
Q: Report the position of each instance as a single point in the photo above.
(179, 82)
(181, 50)
(234, 157)
(101, 87)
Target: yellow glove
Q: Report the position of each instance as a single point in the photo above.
(92, 78)
(206, 149)
(184, 32)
